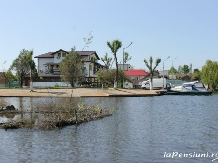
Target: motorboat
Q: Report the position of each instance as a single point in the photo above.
(189, 88)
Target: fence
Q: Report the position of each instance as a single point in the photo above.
(35, 84)
(50, 84)
(10, 85)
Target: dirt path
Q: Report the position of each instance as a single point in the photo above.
(78, 92)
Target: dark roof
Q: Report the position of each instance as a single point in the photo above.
(59, 51)
(83, 53)
(86, 53)
(46, 55)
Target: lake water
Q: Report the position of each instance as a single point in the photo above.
(142, 129)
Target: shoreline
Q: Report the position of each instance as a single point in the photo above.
(78, 92)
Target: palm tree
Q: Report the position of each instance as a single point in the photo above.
(152, 70)
(115, 45)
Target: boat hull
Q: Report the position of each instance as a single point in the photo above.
(178, 92)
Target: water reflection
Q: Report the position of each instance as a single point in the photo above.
(22, 104)
(141, 130)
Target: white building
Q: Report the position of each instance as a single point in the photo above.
(165, 73)
(48, 65)
(125, 67)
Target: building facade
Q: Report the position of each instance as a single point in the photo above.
(125, 67)
(136, 76)
(48, 64)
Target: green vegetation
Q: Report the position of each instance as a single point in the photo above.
(151, 69)
(55, 114)
(180, 71)
(196, 75)
(127, 57)
(185, 69)
(10, 76)
(101, 77)
(209, 74)
(107, 77)
(56, 85)
(172, 71)
(72, 68)
(114, 46)
(31, 65)
(107, 61)
(73, 71)
(23, 65)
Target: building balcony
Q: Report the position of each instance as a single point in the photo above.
(52, 71)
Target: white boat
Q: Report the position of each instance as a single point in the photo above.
(190, 88)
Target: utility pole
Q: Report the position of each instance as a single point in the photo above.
(123, 60)
(163, 70)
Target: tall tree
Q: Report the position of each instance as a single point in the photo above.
(31, 65)
(72, 67)
(21, 65)
(114, 46)
(185, 69)
(107, 61)
(180, 70)
(209, 74)
(108, 76)
(101, 77)
(151, 69)
(10, 76)
(197, 74)
(127, 57)
(172, 71)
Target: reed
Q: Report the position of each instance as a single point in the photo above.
(56, 114)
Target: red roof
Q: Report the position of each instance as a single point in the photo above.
(136, 73)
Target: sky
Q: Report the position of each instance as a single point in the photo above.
(183, 29)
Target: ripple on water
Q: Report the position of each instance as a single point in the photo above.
(141, 130)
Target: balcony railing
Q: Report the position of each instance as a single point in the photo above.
(52, 71)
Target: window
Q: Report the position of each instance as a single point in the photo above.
(199, 84)
(90, 67)
(59, 56)
(187, 85)
(63, 54)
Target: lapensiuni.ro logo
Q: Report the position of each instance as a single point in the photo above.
(213, 156)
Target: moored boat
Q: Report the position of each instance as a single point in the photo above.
(190, 88)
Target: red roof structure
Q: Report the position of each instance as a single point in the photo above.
(139, 72)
